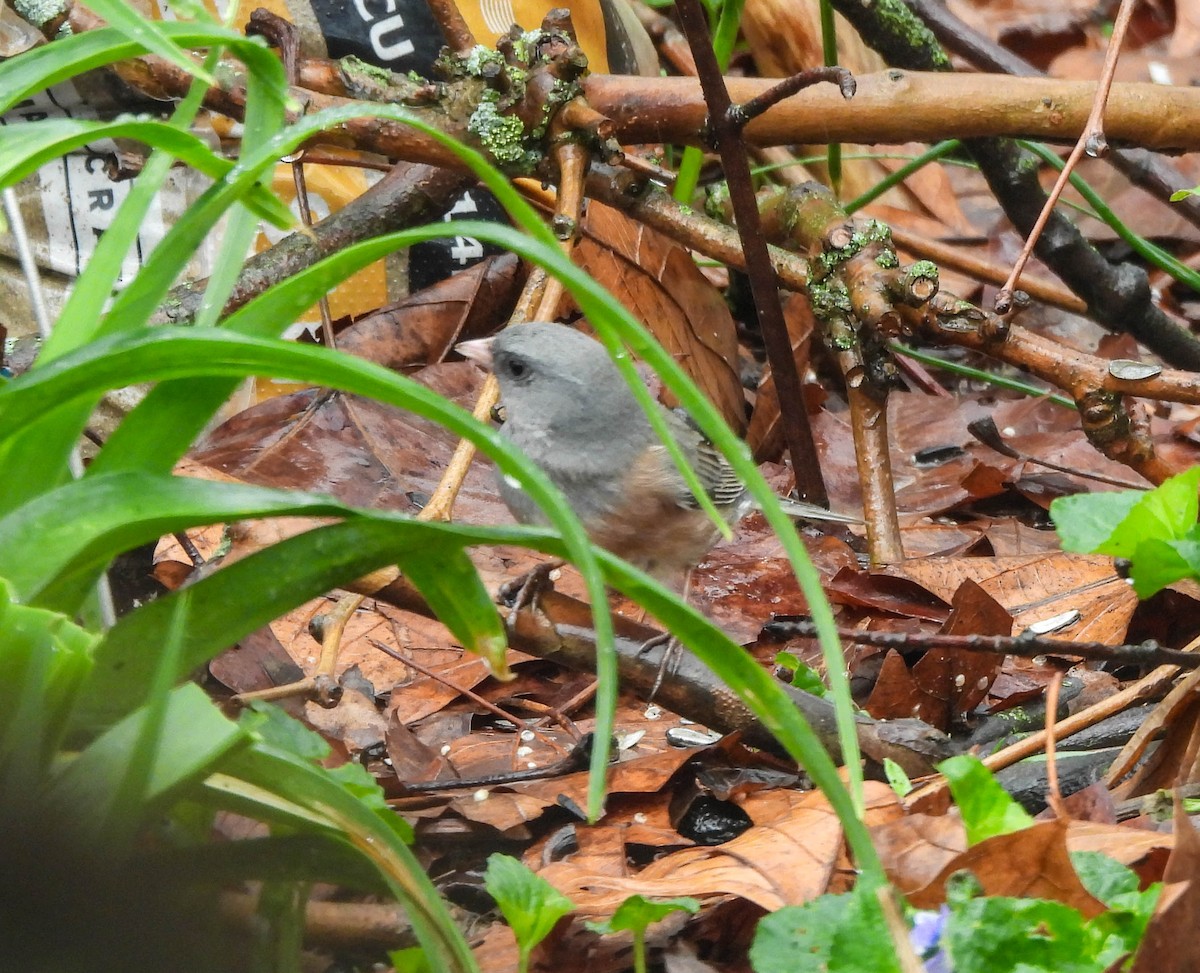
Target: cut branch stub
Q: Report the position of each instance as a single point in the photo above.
(527, 80)
(855, 276)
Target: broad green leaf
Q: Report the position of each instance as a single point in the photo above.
(27, 148)
(143, 295)
(43, 452)
(55, 559)
(531, 905)
(1155, 529)
(986, 808)
(897, 778)
(42, 67)
(44, 660)
(1167, 512)
(160, 430)
(119, 820)
(164, 353)
(832, 932)
(1030, 935)
(859, 942)
(1104, 877)
(375, 835)
(798, 938)
(194, 736)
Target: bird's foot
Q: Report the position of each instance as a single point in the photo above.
(523, 592)
(669, 662)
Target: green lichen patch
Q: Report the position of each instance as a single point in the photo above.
(40, 12)
(503, 136)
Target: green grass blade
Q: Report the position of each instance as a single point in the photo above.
(27, 148)
(67, 57)
(292, 572)
(148, 33)
(306, 785)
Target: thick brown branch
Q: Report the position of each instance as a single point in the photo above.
(407, 196)
(903, 106)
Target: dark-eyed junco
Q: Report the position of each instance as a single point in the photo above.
(568, 408)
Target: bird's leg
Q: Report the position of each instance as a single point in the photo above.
(669, 661)
(674, 648)
(522, 592)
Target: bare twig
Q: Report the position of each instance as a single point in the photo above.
(1091, 141)
(1053, 795)
(458, 35)
(986, 432)
(726, 129)
(1150, 686)
(322, 686)
(747, 111)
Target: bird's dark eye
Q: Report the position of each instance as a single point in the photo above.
(518, 368)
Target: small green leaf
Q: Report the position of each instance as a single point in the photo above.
(1103, 876)
(804, 677)
(637, 912)
(1084, 521)
(275, 728)
(1030, 935)
(830, 933)
(897, 777)
(531, 905)
(411, 960)
(987, 810)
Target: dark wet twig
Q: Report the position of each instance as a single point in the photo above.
(1148, 653)
(725, 127)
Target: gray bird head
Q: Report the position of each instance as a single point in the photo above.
(557, 382)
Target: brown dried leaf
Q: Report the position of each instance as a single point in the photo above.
(1036, 587)
(786, 858)
(422, 329)
(916, 849)
(1031, 863)
(658, 281)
